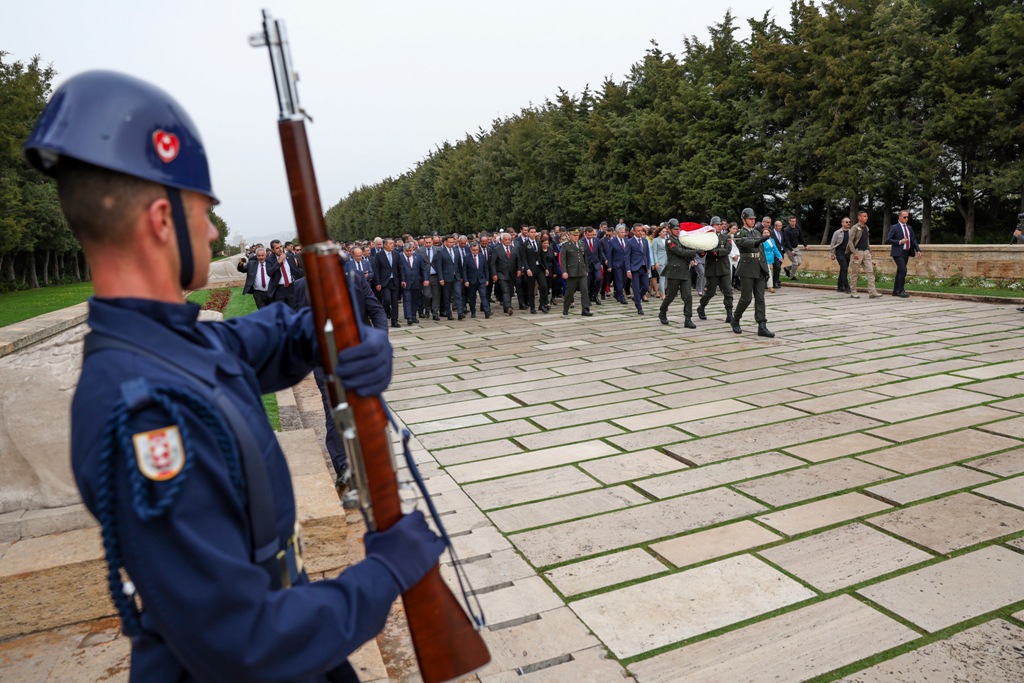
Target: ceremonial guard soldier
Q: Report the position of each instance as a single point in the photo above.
(677, 276)
(753, 270)
(170, 445)
(718, 271)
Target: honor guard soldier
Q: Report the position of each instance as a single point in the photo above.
(718, 271)
(170, 445)
(677, 276)
(752, 271)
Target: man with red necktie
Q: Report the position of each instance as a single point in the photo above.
(595, 259)
(259, 277)
(903, 246)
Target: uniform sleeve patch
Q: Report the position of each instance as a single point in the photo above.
(159, 453)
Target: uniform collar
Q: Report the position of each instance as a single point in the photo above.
(149, 324)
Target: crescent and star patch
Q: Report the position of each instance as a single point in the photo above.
(159, 453)
(167, 145)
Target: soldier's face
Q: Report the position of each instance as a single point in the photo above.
(749, 222)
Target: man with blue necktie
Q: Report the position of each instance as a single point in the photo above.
(386, 279)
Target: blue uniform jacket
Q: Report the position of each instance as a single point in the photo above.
(209, 613)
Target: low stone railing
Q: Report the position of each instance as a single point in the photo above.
(989, 261)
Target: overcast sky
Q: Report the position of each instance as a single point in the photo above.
(384, 81)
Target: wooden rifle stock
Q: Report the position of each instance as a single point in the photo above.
(447, 644)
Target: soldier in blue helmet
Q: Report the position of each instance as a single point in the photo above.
(170, 446)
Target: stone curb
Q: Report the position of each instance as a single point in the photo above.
(34, 330)
(979, 298)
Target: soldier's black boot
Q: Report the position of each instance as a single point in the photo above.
(736, 325)
(762, 330)
(728, 316)
(689, 324)
(663, 317)
(700, 312)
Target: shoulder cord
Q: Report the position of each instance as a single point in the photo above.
(473, 606)
(117, 434)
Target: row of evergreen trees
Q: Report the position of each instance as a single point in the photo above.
(878, 103)
(37, 247)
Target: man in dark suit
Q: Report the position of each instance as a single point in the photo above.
(638, 266)
(529, 267)
(776, 230)
(617, 251)
(903, 246)
(413, 276)
(386, 279)
(357, 263)
(451, 279)
(259, 277)
(487, 245)
(477, 274)
(594, 249)
(502, 265)
(288, 272)
(431, 255)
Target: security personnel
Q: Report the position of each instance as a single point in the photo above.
(752, 270)
(170, 446)
(677, 276)
(573, 261)
(718, 271)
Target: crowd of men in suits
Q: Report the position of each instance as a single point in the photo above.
(455, 276)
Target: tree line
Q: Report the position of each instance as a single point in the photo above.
(37, 247)
(883, 104)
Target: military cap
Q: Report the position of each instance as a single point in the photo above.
(716, 220)
(748, 213)
(673, 222)
(575, 231)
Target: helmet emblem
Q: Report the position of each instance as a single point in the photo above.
(166, 145)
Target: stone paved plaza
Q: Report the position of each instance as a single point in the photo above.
(842, 502)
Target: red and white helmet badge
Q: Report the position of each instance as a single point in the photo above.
(166, 145)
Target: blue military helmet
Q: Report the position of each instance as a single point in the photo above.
(123, 124)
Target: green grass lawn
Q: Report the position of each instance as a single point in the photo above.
(18, 306)
(953, 285)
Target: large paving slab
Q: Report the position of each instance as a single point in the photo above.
(822, 513)
(565, 508)
(837, 447)
(629, 466)
(604, 571)
(638, 618)
(954, 522)
(910, 407)
(940, 450)
(639, 524)
(717, 474)
(770, 437)
(955, 590)
(796, 646)
(921, 486)
(812, 482)
(523, 488)
(1003, 464)
(844, 556)
(529, 461)
(1009, 491)
(707, 545)
(938, 424)
(987, 653)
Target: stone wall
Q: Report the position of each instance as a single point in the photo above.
(937, 260)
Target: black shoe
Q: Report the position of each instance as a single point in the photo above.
(533, 311)
(522, 308)
(586, 313)
(415, 321)
(487, 315)
(436, 317)
(408, 323)
(509, 310)
(565, 312)
(763, 331)
(341, 482)
(701, 314)
(394, 323)
(639, 310)
(450, 316)
(663, 318)
(728, 315)
(903, 295)
(462, 316)
(471, 315)
(596, 301)
(736, 326)
(689, 324)
(1021, 309)
(545, 309)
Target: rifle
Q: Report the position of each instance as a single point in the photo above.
(447, 644)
